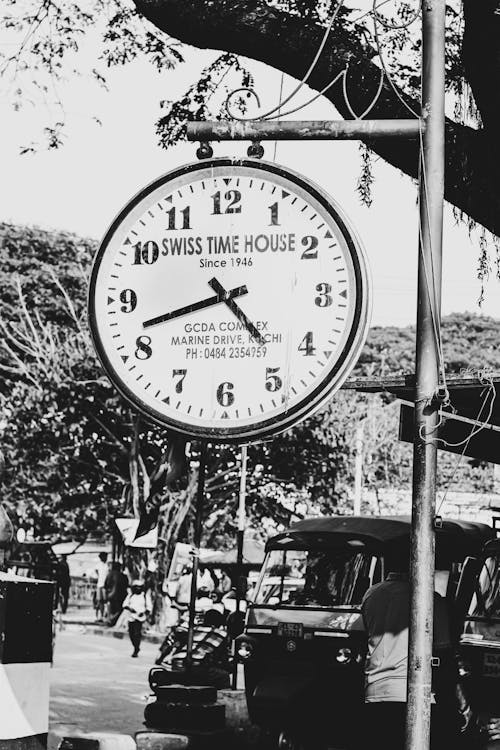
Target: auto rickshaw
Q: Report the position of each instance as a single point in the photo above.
(303, 645)
(478, 596)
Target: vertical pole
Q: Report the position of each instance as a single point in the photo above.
(196, 553)
(241, 523)
(427, 376)
(358, 470)
(239, 549)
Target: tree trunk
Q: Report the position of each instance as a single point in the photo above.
(288, 43)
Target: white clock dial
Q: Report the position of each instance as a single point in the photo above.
(229, 299)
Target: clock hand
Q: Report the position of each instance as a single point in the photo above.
(220, 297)
(225, 297)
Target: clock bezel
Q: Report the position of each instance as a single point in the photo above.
(268, 426)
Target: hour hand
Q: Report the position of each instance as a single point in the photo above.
(229, 301)
(194, 306)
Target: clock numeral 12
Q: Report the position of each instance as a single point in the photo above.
(234, 198)
(273, 381)
(179, 374)
(306, 345)
(225, 395)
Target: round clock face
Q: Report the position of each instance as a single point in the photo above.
(229, 299)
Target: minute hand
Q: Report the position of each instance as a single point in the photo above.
(236, 292)
(226, 297)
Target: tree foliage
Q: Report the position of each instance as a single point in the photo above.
(373, 57)
(77, 456)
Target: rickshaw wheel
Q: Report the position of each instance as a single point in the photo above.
(287, 742)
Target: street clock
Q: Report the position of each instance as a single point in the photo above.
(229, 299)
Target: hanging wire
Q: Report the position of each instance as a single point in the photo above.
(301, 84)
(313, 99)
(382, 61)
(369, 12)
(280, 95)
(277, 111)
(371, 105)
(466, 442)
(431, 288)
(389, 24)
(480, 425)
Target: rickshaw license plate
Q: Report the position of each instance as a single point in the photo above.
(291, 629)
(491, 665)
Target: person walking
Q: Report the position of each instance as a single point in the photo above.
(102, 570)
(138, 607)
(64, 582)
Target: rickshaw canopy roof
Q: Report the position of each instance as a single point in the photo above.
(455, 539)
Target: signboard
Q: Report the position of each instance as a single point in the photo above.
(229, 299)
(455, 431)
(128, 529)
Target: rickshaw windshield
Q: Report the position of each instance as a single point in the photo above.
(325, 578)
(486, 599)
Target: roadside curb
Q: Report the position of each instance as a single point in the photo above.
(110, 632)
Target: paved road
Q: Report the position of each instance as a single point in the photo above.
(96, 685)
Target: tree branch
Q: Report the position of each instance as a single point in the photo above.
(287, 42)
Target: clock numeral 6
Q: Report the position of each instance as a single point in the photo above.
(325, 298)
(146, 252)
(306, 345)
(311, 244)
(143, 350)
(179, 374)
(129, 299)
(273, 381)
(225, 395)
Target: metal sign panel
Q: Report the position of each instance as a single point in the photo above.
(484, 445)
(229, 299)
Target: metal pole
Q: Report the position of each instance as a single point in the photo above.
(241, 523)
(240, 540)
(196, 554)
(302, 130)
(427, 377)
(358, 470)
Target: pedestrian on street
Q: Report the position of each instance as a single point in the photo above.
(138, 607)
(205, 580)
(385, 611)
(223, 581)
(102, 570)
(64, 582)
(183, 589)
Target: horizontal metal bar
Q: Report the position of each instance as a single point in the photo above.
(455, 417)
(302, 130)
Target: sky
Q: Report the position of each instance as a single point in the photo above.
(83, 185)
